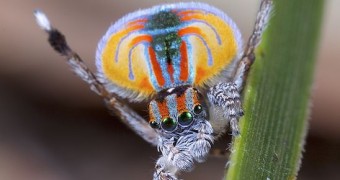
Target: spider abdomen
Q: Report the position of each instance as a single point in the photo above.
(165, 47)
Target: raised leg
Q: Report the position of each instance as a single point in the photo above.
(248, 57)
(126, 114)
(225, 97)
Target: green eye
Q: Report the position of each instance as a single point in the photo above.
(185, 119)
(153, 124)
(169, 124)
(198, 109)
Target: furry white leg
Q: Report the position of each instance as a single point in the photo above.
(225, 98)
(164, 170)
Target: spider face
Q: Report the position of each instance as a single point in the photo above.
(176, 110)
(181, 118)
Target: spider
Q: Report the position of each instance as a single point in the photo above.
(187, 60)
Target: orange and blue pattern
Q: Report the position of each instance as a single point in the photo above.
(167, 46)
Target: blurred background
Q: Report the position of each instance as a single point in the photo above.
(52, 127)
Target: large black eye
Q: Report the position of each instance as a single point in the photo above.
(154, 124)
(169, 124)
(185, 119)
(198, 109)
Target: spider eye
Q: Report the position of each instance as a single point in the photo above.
(198, 109)
(169, 124)
(185, 119)
(154, 124)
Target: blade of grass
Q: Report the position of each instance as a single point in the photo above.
(277, 95)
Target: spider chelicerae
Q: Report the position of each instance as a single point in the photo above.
(187, 60)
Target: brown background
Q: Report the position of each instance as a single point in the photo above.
(53, 128)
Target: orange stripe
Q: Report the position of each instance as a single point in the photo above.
(181, 105)
(187, 12)
(188, 30)
(184, 62)
(134, 28)
(189, 17)
(163, 109)
(130, 29)
(137, 21)
(141, 38)
(171, 72)
(156, 67)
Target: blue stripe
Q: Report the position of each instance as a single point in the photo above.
(155, 111)
(189, 102)
(131, 76)
(171, 103)
(176, 63)
(164, 68)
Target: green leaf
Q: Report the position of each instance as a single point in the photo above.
(277, 95)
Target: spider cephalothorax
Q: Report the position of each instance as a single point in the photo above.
(166, 53)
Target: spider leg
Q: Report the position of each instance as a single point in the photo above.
(226, 107)
(127, 115)
(164, 170)
(225, 96)
(248, 56)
